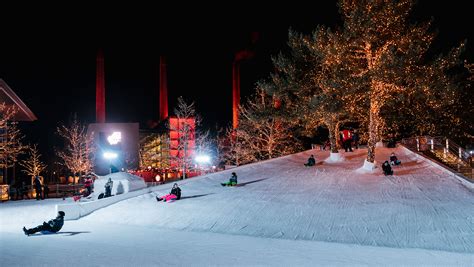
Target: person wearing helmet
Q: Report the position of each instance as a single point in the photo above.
(53, 225)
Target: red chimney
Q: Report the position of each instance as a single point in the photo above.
(100, 89)
(163, 90)
(235, 93)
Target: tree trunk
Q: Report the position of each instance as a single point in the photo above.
(373, 134)
(333, 133)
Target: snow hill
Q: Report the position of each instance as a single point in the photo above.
(328, 214)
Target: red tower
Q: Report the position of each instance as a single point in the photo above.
(239, 57)
(100, 89)
(163, 90)
(235, 93)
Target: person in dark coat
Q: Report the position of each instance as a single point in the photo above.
(175, 194)
(53, 225)
(356, 138)
(38, 186)
(311, 161)
(24, 190)
(108, 188)
(45, 191)
(387, 169)
(394, 160)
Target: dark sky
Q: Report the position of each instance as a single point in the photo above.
(47, 54)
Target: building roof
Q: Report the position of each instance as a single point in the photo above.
(11, 99)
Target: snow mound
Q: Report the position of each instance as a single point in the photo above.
(335, 157)
(124, 182)
(368, 167)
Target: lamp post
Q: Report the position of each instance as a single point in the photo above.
(110, 156)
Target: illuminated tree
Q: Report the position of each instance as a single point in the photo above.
(78, 151)
(10, 137)
(261, 133)
(191, 138)
(388, 60)
(312, 83)
(33, 165)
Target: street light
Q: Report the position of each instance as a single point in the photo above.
(110, 156)
(202, 160)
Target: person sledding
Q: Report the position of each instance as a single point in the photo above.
(175, 194)
(52, 226)
(232, 180)
(394, 160)
(311, 161)
(387, 169)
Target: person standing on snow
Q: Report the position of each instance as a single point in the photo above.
(108, 188)
(38, 186)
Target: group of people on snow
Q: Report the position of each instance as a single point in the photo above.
(387, 165)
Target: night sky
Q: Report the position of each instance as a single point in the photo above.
(48, 54)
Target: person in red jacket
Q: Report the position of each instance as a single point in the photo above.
(347, 139)
(88, 186)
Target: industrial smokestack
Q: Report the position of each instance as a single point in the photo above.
(235, 94)
(239, 56)
(100, 89)
(163, 90)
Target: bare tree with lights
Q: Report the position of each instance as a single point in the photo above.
(77, 153)
(261, 134)
(10, 138)
(185, 113)
(33, 166)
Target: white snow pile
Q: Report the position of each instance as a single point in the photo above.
(123, 182)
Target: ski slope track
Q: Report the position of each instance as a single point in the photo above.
(282, 214)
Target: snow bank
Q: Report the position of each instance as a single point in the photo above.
(368, 167)
(125, 186)
(77, 210)
(335, 157)
(124, 182)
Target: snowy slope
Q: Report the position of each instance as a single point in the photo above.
(419, 207)
(284, 214)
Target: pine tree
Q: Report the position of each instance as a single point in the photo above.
(312, 82)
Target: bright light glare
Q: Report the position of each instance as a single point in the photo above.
(203, 159)
(114, 138)
(110, 155)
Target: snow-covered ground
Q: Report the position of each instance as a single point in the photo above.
(283, 214)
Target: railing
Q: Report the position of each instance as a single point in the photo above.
(55, 191)
(445, 151)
